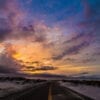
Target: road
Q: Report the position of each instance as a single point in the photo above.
(51, 91)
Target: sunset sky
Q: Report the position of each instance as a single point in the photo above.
(50, 37)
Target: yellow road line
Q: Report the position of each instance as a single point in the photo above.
(50, 94)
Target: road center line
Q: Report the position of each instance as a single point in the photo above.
(50, 94)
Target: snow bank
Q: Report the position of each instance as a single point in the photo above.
(90, 91)
(9, 87)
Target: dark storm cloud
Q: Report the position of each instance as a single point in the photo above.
(5, 29)
(42, 68)
(34, 62)
(4, 33)
(40, 38)
(28, 28)
(11, 22)
(15, 22)
(83, 60)
(3, 4)
(83, 73)
(47, 75)
(23, 32)
(96, 53)
(70, 60)
(46, 68)
(31, 32)
(6, 69)
(8, 64)
(72, 50)
(88, 60)
(76, 37)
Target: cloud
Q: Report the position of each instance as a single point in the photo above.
(96, 53)
(42, 68)
(3, 4)
(48, 75)
(10, 19)
(10, 30)
(31, 41)
(46, 68)
(8, 64)
(88, 60)
(70, 60)
(76, 37)
(82, 74)
(5, 29)
(76, 49)
(6, 69)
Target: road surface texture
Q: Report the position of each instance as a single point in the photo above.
(49, 91)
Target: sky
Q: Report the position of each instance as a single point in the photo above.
(50, 37)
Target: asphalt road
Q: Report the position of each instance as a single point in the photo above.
(51, 91)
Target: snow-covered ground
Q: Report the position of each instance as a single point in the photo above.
(90, 91)
(7, 87)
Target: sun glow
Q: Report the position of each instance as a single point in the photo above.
(2, 48)
(29, 54)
